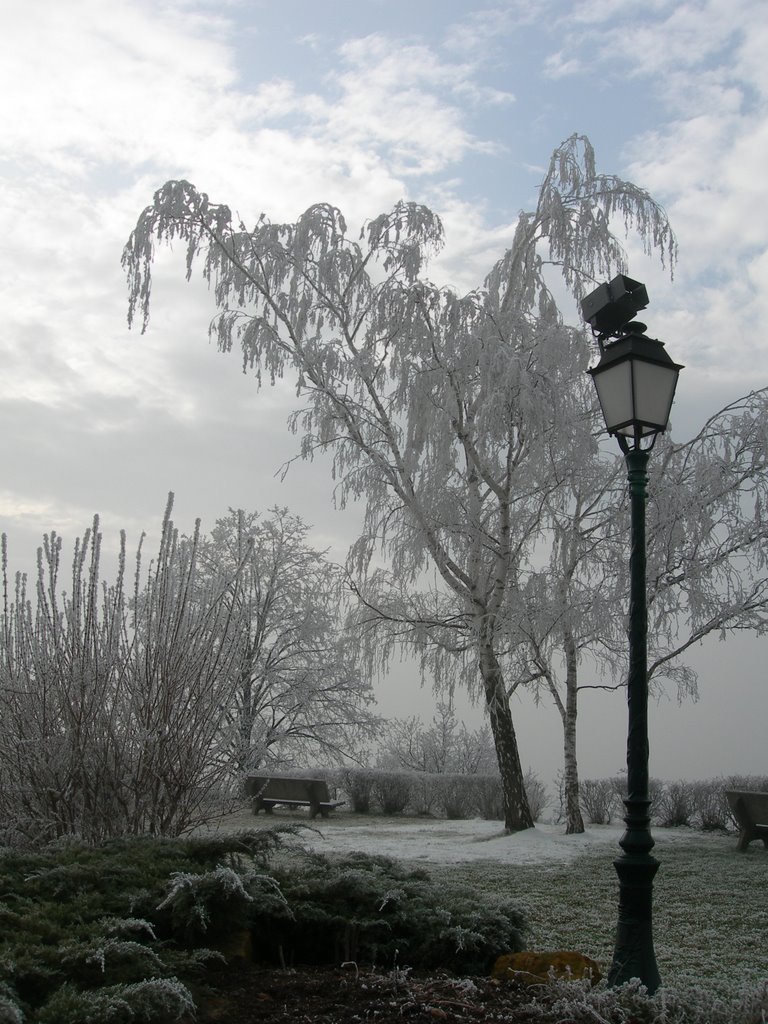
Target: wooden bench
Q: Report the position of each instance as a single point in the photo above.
(265, 791)
(750, 809)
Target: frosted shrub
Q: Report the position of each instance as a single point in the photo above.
(450, 794)
(536, 792)
(86, 917)
(392, 791)
(217, 900)
(753, 783)
(112, 700)
(357, 783)
(455, 796)
(578, 1003)
(104, 960)
(696, 804)
(619, 783)
(655, 788)
(130, 927)
(372, 909)
(489, 797)
(423, 794)
(10, 1011)
(598, 800)
(711, 810)
(675, 804)
(157, 1001)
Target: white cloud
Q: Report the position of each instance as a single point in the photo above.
(93, 89)
(481, 94)
(393, 96)
(479, 34)
(559, 66)
(702, 61)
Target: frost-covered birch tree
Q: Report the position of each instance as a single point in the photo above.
(707, 535)
(572, 606)
(298, 692)
(436, 406)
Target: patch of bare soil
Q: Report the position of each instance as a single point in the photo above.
(246, 993)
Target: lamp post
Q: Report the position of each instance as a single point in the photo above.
(635, 381)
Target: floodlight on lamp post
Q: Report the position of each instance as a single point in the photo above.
(635, 381)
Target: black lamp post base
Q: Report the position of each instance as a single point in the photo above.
(634, 956)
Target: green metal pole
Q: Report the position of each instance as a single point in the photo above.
(634, 955)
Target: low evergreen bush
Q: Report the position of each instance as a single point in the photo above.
(89, 932)
(116, 932)
(215, 903)
(371, 910)
(10, 1009)
(164, 1001)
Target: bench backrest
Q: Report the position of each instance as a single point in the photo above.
(268, 788)
(750, 803)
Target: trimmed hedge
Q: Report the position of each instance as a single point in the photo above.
(701, 805)
(447, 795)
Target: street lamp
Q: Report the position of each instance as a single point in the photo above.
(635, 381)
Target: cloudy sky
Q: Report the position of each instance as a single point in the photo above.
(273, 106)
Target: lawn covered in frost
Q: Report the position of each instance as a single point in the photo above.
(710, 907)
